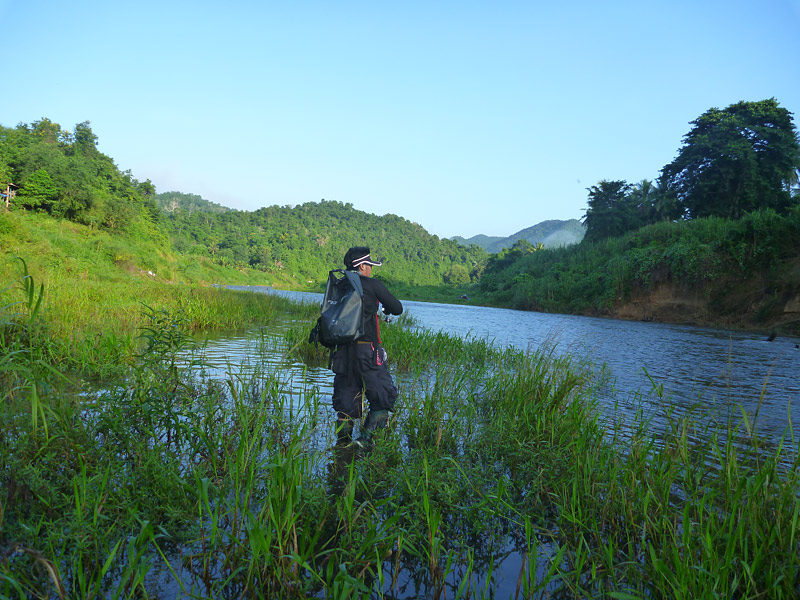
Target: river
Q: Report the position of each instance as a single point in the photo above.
(713, 370)
(719, 372)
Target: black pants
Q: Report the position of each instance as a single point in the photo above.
(361, 366)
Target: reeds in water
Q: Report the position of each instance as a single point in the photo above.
(496, 478)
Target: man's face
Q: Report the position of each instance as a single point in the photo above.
(365, 269)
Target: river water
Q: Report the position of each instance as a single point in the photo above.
(653, 369)
(715, 371)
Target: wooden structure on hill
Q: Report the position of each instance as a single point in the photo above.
(9, 193)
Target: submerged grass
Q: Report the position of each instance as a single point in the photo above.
(496, 478)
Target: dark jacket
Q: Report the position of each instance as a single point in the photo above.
(374, 292)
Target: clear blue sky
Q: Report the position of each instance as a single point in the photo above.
(465, 117)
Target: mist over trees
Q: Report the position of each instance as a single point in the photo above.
(178, 201)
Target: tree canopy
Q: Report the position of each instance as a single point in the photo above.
(733, 162)
(63, 174)
(736, 160)
(178, 201)
(611, 210)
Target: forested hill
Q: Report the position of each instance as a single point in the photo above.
(53, 172)
(483, 241)
(715, 240)
(302, 243)
(172, 201)
(551, 234)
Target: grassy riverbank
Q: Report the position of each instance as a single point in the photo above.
(496, 472)
(742, 273)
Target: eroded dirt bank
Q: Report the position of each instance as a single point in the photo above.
(744, 305)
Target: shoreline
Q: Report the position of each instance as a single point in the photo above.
(665, 304)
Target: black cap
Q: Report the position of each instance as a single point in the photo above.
(359, 255)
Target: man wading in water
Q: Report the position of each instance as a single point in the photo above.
(360, 367)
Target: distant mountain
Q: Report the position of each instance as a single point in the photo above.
(171, 201)
(552, 234)
(484, 241)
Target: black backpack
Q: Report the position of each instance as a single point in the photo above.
(341, 319)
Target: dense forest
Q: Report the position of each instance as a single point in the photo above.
(51, 171)
(63, 174)
(171, 202)
(306, 240)
(733, 161)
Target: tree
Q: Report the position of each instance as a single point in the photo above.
(117, 212)
(47, 131)
(508, 256)
(5, 176)
(71, 204)
(611, 210)
(39, 191)
(85, 141)
(456, 275)
(736, 160)
(146, 188)
(654, 202)
(794, 183)
(642, 198)
(666, 206)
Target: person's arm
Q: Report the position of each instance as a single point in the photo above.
(391, 305)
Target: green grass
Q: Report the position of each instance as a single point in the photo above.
(168, 481)
(94, 306)
(444, 294)
(745, 271)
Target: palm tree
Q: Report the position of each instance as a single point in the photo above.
(794, 183)
(642, 198)
(666, 206)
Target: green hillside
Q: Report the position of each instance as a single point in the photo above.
(63, 190)
(715, 240)
(61, 173)
(665, 251)
(178, 201)
(731, 272)
(298, 245)
(483, 241)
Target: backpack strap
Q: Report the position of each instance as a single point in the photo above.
(355, 280)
